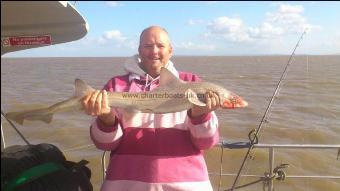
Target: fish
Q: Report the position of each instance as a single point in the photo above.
(172, 95)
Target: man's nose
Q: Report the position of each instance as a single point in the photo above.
(155, 49)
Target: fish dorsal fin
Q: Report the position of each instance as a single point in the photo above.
(168, 79)
(81, 88)
(193, 98)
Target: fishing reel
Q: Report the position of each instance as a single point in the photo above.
(279, 173)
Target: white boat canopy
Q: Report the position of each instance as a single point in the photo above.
(31, 24)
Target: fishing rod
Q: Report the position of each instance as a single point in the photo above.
(14, 127)
(256, 132)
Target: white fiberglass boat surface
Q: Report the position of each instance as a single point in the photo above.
(30, 24)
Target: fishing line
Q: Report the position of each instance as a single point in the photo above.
(264, 118)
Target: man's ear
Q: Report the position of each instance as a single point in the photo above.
(170, 50)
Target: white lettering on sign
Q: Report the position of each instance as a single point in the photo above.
(26, 40)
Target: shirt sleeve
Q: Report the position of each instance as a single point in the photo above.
(203, 129)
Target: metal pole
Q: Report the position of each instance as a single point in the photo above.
(14, 127)
(104, 165)
(271, 168)
(3, 144)
(297, 146)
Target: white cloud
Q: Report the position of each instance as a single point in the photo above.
(113, 38)
(265, 30)
(291, 19)
(112, 3)
(119, 40)
(290, 9)
(231, 29)
(115, 35)
(287, 19)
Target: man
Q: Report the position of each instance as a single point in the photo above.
(153, 151)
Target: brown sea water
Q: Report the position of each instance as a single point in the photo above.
(306, 110)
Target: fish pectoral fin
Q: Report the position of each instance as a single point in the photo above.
(129, 113)
(20, 121)
(193, 98)
(131, 110)
(47, 118)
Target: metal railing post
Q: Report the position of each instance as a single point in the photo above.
(104, 165)
(3, 144)
(271, 169)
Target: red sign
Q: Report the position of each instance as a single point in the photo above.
(29, 40)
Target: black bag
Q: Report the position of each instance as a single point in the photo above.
(42, 167)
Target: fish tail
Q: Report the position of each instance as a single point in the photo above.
(20, 117)
(15, 116)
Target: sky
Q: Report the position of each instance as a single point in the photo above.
(204, 28)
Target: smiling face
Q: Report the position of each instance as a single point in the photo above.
(154, 50)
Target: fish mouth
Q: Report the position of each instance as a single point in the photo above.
(234, 102)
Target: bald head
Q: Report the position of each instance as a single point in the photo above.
(155, 28)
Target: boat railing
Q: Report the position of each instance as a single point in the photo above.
(274, 173)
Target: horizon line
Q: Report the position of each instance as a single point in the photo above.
(231, 55)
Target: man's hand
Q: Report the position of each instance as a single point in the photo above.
(212, 101)
(96, 104)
